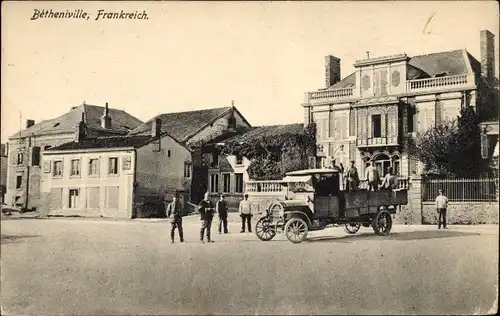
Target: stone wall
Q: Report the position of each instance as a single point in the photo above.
(464, 213)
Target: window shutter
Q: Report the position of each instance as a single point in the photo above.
(383, 125)
(344, 126)
(484, 146)
(370, 127)
(337, 128)
(331, 124)
(383, 82)
(352, 122)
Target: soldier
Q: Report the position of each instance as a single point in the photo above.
(352, 177)
(221, 208)
(174, 213)
(207, 215)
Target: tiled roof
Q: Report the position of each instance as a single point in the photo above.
(347, 82)
(182, 125)
(121, 122)
(105, 142)
(265, 131)
(450, 63)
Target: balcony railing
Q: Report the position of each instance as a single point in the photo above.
(330, 94)
(439, 82)
(267, 186)
(377, 141)
(402, 183)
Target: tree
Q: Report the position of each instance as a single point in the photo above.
(452, 148)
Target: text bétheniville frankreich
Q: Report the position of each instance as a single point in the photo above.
(81, 14)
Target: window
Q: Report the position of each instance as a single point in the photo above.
(94, 167)
(187, 170)
(238, 177)
(75, 167)
(58, 169)
(215, 160)
(214, 183)
(169, 153)
(239, 159)
(227, 182)
(377, 125)
(35, 156)
(113, 165)
(19, 182)
(20, 158)
(73, 198)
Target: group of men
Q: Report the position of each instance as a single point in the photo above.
(207, 213)
(372, 176)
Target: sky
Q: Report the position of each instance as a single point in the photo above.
(197, 55)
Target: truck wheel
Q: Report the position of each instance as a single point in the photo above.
(352, 228)
(264, 230)
(296, 230)
(382, 223)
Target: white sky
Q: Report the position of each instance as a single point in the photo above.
(186, 56)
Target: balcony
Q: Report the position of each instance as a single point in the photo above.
(440, 83)
(326, 96)
(377, 141)
(271, 187)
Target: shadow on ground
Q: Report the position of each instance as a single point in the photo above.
(15, 238)
(403, 236)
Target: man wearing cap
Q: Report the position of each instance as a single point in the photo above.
(441, 206)
(207, 215)
(174, 213)
(245, 211)
(221, 208)
(352, 177)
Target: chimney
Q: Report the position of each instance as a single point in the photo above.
(332, 70)
(156, 127)
(105, 118)
(487, 42)
(29, 123)
(81, 130)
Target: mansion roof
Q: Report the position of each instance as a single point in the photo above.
(456, 62)
(121, 122)
(183, 125)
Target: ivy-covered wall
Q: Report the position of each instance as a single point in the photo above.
(272, 156)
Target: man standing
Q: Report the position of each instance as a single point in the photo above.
(207, 215)
(390, 181)
(371, 174)
(352, 177)
(174, 213)
(441, 205)
(245, 211)
(221, 208)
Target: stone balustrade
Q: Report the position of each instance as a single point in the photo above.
(267, 186)
(331, 94)
(439, 82)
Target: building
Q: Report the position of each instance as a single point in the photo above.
(4, 152)
(367, 115)
(115, 176)
(26, 146)
(194, 129)
(227, 174)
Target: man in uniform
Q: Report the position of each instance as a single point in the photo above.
(174, 213)
(221, 208)
(207, 215)
(352, 177)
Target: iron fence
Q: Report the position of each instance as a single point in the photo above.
(461, 190)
